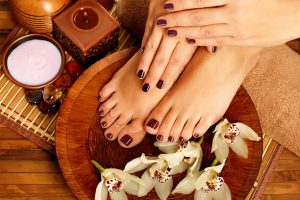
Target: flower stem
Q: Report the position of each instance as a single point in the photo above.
(215, 162)
(201, 140)
(97, 165)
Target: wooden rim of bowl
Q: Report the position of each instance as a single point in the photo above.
(23, 39)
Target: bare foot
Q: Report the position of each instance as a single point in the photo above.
(202, 94)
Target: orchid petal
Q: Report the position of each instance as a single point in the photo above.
(247, 132)
(135, 165)
(201, 195)
(186, 185)
(217, 168)
(239, 147)
(101, 191)
(222, 194)
(192, 149)
(201, 180)
(150, 159)
(118, 195)
(222, 151)
(173, 159)
(131, 188)
(197, 164)
(163, 190)
(180, 168)
(167, 147)
(149, 184)
(221, 126)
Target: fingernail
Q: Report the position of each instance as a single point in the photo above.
(104, 124)
(170, 139)
(153, 123)
(214, 49)
(159, 137)
(181, 139)
(126, 139)
(196, 135)
(168, 7)
(141, 73)
(109, 136)
(191, 41)
(172, 33)
(161, 22)
(101, 112)
(160, 84)
(142, 50)
(146, 87)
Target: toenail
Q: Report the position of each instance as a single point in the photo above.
(170, 139)
(104, 124)
(161, 22)
(142, 50)
(141, 73)
(99, 98)
(146, 87)
(191, 41)
(101, 112)
(159, 137)
(126, 139)
(196, 135)
(214, 49)
(181, 139)
(153, 123)
(109, 136)
(160, 84)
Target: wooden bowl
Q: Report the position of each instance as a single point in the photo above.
(23, 39)
(80, 139)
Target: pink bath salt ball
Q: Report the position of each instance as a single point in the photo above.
(74, 69)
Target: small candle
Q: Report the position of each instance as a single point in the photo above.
(85, 18)
(34, 62)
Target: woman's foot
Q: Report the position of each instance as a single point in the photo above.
(125, 107)
(202, 94)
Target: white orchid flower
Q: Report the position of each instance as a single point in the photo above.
(232, 135)
(210, 186)
(157, 176)
(180, 156)
(115, 183)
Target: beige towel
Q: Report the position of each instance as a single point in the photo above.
(274, 86)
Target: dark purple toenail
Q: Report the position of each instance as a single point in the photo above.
(109, 136)
(170, 139)
(104, 124)
(190, 41)
(153, 123)
(196, 135)
(181, 139)
(101, 112)
(172, 33)
(168, 6)
(99, 98)
(160, 84)
(161, 22)
(126, 139)
(142, 50)
(214, 49)
(159, 137)
(146, 87)
(141, 73)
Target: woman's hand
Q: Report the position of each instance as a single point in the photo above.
(232, 22)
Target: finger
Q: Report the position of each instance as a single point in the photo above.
(181, 55)
(198, 17)
(159, 64)
(177, 5)
(218, 41)
(149, 51)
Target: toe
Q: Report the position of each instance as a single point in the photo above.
(110, 117)
(107, 105)
(107, 91)
(113, 131)
(201, 127)
(188, 129)
(132, 134)
(166, 126)
(177, 129)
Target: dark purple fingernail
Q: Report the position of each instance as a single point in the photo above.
(101, 112)
(159, 137)
(161, 22)
(172, 33)
(141, 73)
(126, 139)
(160, 84)
(196, 135)
(190, 41)
(153, 123)
(109, 136)
(214, 49)
(170, 139)
(168, 7)
(181, 139)
(104, 124)
(146, 87)
(142, 50)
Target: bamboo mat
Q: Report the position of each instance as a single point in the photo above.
(27, 120)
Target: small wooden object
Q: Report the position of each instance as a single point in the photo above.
(80, 139)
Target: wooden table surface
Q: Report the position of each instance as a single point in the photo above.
(28, 172)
